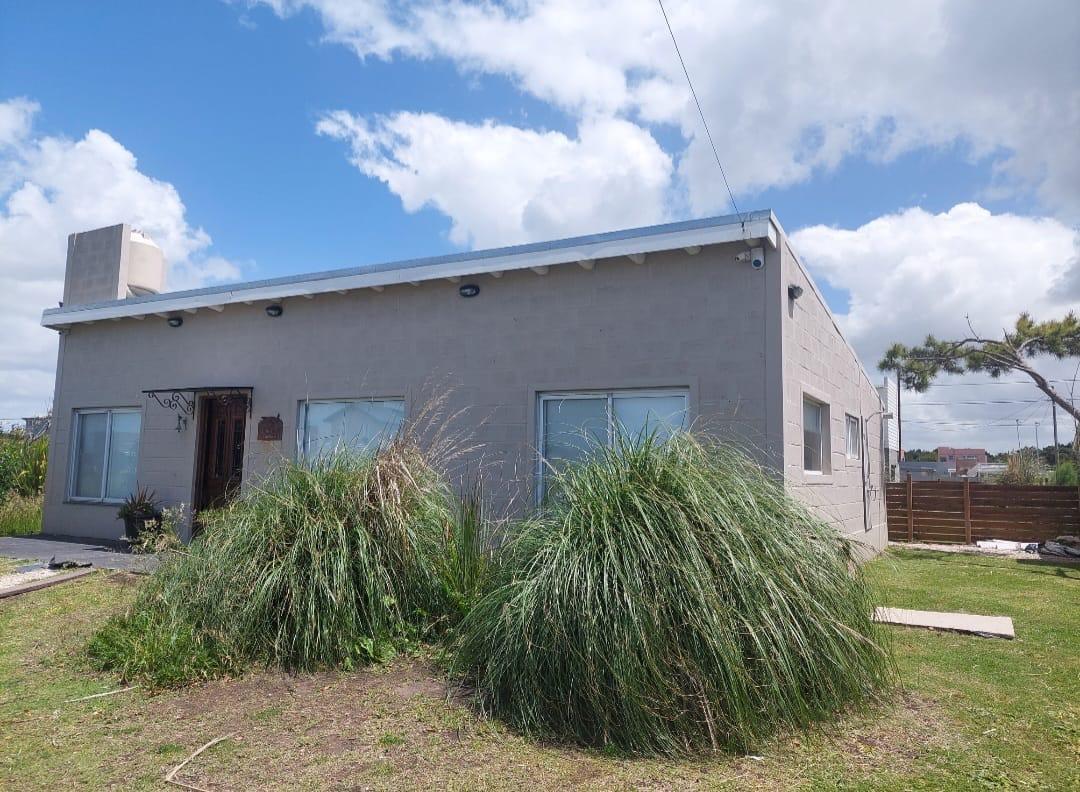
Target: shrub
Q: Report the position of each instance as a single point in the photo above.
(332, 563)
(671, 598)
(1022, 470)
(19, 514)
(466, 567)
(1066, 475)
(23, 465)
(161, 534)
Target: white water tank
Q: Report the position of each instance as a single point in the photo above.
(145, 265)
(112, 263)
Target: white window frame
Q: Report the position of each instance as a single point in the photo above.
(75, 443)
(850, 419)
(610, 395)
(823, 432)
(301, 423)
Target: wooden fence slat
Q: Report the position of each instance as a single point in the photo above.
(910, 511)
(967, 512)
(954, 511)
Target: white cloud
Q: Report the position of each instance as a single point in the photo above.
(16, 116)
(914, 273)
(50, 187)
(501, 184)
(788, 88)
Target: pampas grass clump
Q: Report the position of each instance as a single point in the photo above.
(328, 563)
(671, 598)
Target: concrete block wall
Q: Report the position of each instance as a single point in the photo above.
(819, 362)
(699, 322)
(96, 265)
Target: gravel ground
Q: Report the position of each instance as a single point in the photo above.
(974, 550)
(16, 579)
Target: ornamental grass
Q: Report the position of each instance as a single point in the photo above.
(671, 598)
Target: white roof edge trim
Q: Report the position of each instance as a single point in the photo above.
(757, 226)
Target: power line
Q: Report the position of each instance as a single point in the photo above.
(979, 401)
(701, 113)
(994, 382)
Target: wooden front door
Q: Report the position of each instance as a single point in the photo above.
(220, 450)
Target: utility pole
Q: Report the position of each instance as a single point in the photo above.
(1057, 451)
(899, 423)
(1019, 445)
(1038, 448)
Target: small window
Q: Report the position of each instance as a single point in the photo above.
(356, 425)
(854, 437)
(573, 423)
(815, 417)
(105, 457)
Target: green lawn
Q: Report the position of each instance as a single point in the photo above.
(973, 713)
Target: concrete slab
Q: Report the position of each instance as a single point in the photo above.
(102, 555)
(984, 626)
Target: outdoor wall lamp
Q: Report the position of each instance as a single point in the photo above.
(181, 424)
(274, 310)
(794, 291)
(175, 321)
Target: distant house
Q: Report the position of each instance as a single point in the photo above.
(961, 460)
(37, 426)
(925, 471)
(712, 322)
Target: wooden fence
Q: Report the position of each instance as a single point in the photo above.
(959, 511)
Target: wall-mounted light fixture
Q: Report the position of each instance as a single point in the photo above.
(181, 424)
(794, 291)
(175, 321)
(468, 290)
(274, 310)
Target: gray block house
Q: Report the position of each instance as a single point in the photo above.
(713, 323)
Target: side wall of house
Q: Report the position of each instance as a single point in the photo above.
(678, 320)
(820, 365)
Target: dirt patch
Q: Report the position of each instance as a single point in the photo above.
(393, 728)
(124, 579)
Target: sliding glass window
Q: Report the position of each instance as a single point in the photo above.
(571, 424)
(105, 457)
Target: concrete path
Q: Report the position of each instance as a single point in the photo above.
(985, 626)
(102, 555)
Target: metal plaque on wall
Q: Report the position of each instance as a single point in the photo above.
(270, 427)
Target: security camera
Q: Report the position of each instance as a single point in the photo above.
(757, 258)
(744, 256)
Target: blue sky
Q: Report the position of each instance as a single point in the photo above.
(224, 100)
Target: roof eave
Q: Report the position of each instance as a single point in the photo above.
(757, 226)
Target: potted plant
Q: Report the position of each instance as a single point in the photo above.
(137, 509)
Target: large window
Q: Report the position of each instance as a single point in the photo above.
(815, 435)
(357, 425)
(105, 457)
(573, 423)
(854, 437)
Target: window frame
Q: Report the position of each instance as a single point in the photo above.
(302, 411)
(609, 395)
(76, 444)
(825, 452)
(850, 419)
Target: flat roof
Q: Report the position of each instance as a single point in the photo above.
(754, 226)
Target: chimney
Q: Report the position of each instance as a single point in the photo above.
(112, 263)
